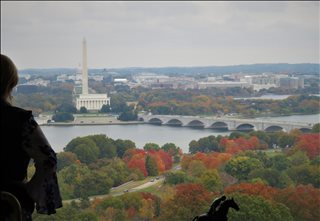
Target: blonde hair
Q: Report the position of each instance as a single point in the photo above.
(8, 78)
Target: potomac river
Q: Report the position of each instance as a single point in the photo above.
(59, 136)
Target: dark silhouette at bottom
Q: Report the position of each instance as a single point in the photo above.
(218, 210)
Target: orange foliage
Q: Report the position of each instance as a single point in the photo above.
(211, 160)
(191, 193)
(236, 145)
(303, 201)
(263, 190)
(138, 163)
(310, 143)
(136, 158)
(131, 212)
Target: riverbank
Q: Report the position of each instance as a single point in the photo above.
(92, 123)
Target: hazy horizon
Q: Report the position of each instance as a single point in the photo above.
(159, 34)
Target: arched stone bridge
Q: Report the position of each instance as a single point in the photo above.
(224, 123)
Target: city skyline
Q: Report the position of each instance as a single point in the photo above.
(159, 34)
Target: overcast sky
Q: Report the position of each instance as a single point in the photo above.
(156, 34)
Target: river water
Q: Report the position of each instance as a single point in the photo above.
(59, 136)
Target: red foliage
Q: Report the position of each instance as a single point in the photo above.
(136, 158)
(236, 145)
(131, 212)
(138, 162)
(148, 196)
(303, 201)
(166, 159)
(191, 193)
(263, 190)
(310, 143)
(211, 160)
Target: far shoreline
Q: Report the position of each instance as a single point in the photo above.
(92, 124)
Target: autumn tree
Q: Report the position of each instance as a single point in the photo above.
(189, 201)
(65, 159)
(151, 146)
(258, 208)
(241, 166)
(151, 166)
(303, 202)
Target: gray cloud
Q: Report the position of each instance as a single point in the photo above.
(121, 34)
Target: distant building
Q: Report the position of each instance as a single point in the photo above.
(263, 81)
(38, 82)
(120, 81)
(291, 82)
(93, 102)
(223, 84)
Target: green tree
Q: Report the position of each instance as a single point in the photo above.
(83, 110)
(151, 166)
(106, 145)
(211, 180)
(273, 177)
(254, 208)
(123, 146)
(67, 108)
(151, 146)
(196, 168)
(177, 177)
(280, 162)
(241, 166)
(106, 108)
(87, 154)
(65, 159)
(128, 116)
(316, 128)
(62, 117)
(93, 183)
(194, 147)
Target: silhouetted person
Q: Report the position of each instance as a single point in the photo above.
(22, 140)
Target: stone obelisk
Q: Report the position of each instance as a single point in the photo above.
(84, 68)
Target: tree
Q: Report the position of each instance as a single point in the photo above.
(189, 201)
(310, 143)
(62, 117)
(273, 177)
(93, 183)
(83, 110)
(123, 146)
(177, 177)
(87, 154)
(106, 145)
(65, 159)
(258, 208)
(151, 146)
(241, 166)
(253, 189)
(67, 108)
(151, 166)
(106, 108)
(128, 116)
(316, 128)
(211, 180)
(303, 202)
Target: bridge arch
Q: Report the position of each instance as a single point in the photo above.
(245, 127)
(196, 123)
(155, 121)
(174, 122)
(274, 128)
(219, 125)
(305, 130)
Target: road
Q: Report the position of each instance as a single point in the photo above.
(130, 186)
